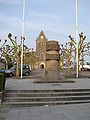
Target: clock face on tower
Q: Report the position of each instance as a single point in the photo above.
(42, 37)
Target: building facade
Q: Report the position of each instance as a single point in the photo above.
(41, 50)
(47, 52)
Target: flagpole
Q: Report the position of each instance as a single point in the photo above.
(22, 38)
(77, 39)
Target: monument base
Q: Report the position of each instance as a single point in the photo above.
(52, 80)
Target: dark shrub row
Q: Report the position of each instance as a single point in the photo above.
(2, 81)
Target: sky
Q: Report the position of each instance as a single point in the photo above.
(57, 18)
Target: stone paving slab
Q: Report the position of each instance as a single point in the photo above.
(65, 112)
(61, 112)
(27, 84)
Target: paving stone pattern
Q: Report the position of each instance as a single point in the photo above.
(66, 112)
(61, 112)
(27, 84)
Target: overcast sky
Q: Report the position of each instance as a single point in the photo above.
(55, 17)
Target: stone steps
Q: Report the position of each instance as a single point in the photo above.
(46, 91)
(46, 103)
(46, 94)
(34, 99)
(46, 97)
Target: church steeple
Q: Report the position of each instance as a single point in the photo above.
(41, 33)
(41, 36)
(41, 41)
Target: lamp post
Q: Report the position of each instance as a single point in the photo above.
(77, 41)
(22, 38)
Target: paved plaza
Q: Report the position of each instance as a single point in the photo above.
(27, 84)
(61, 112)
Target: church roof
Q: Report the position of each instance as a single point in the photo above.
(41, 34)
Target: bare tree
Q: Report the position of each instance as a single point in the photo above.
(82, 47)
(62, 57)
(16, 52)
(5, 52)
(30, 58)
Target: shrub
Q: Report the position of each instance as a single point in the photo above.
(2, 80)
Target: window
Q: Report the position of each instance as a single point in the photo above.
(42, 57)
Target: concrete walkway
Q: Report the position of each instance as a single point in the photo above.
(62, 112)
(27, 84)
(65, 112)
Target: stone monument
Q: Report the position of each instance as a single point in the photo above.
(52, 70)
(47, 53)
(48, 57)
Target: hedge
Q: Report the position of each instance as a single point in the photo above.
(2, 81)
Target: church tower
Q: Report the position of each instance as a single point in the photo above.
(41, 50)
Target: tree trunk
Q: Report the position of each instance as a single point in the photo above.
(75, 61)
(6, 64)
(17, 67)
(60, 63)
(82, 60)
(68, 64)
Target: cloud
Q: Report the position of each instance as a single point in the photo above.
(49, 26)
(10, 24)
(10, 2)
(44, 15)
(41, 1)
(50, 22)
(10, 20)
(53, 24)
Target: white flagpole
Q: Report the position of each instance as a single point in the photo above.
(77, 38)
(22, 39)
